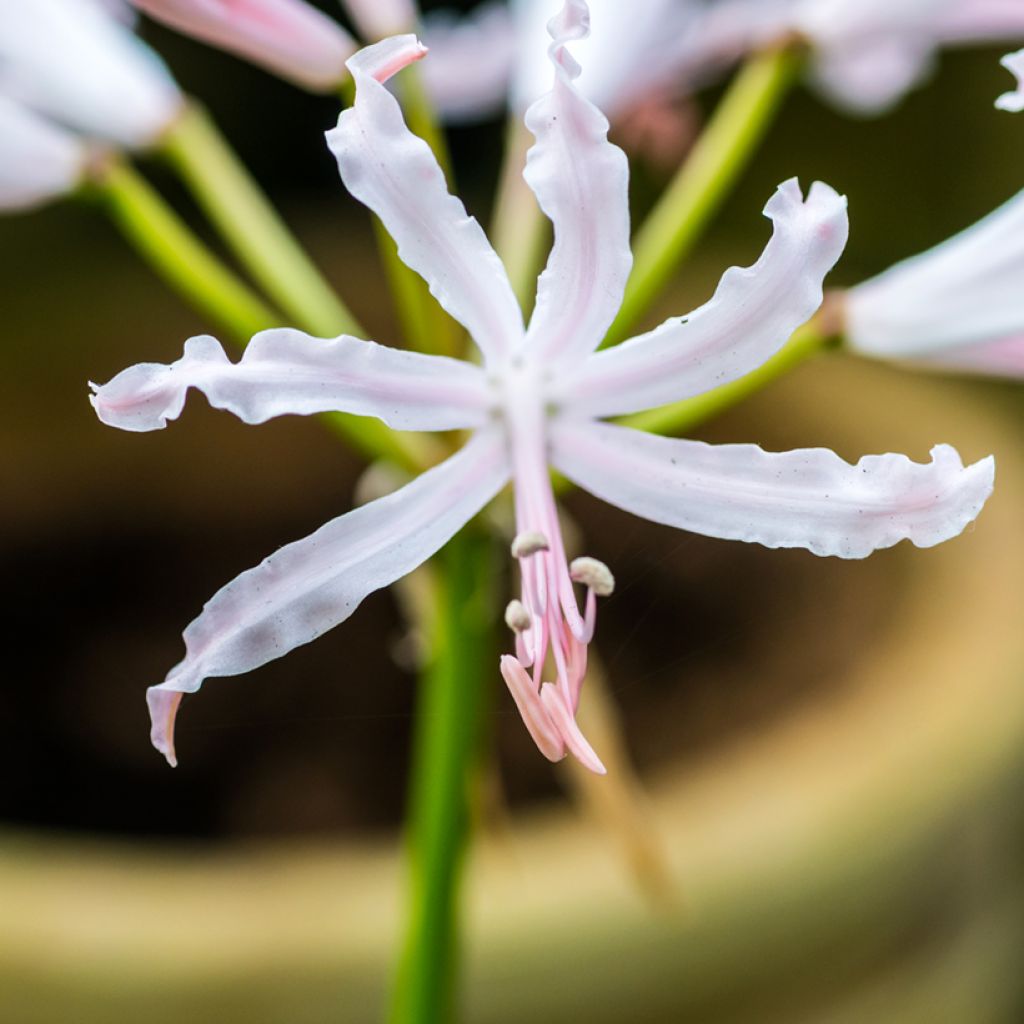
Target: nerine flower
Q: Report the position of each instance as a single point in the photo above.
(959, 305)
(865, 54)
(40, 160)
(78, 64)
(289, 37)
(539, 399)
(1013, 101)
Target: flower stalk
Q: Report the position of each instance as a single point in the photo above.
(171, 248)
(740, 122)
(446, 751)
(252, 228)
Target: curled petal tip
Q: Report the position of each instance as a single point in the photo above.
(163, 710)
(385, 59)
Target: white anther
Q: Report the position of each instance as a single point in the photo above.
(529, 543)
(594, 574)
(517, 617)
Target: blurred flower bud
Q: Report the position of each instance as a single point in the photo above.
(377, 19)
(41, 161)
(959, 305)
(288, 37)
(75, 63)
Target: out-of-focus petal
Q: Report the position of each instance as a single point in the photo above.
(808, 498)
(377, 19)
(1002, 358)
(966, 290)
(751, 316)
(40, 161)
(633, 49)
(396, 175)
(582, 183)
(75, 63)
(308, 587)
(288, 37)
(1013, 101)
(284, 371)
(980, 21)
(471, 58)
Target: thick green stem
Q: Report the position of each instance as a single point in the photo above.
(445, 757)
(683, 417)
(170, 246)
(518, 226)
(172, 249)
(739, 123)
(252, 228)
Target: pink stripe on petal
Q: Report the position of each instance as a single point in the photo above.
(288, 37)
(752, 314)
(808, 498)
(284, 371)
(396, 175)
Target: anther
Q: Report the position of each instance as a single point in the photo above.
(517, 618)
(530, 542)
(594, 574)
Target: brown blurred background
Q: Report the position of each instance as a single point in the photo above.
(830, 748)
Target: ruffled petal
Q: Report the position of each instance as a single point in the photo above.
(77, 64)
(288, 37)
(284, 371)
(308, 587)
(809, 498)
(582, 183)
(1013, 101)
(751, 316)
(396, 175)
(965, 291)
(40, 161)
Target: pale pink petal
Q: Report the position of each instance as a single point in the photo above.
(1001, 358)
(284, 371)
(751, 316)
(396, 175)
(470, 64)
(581, 182)
(1013, 101)
(40, 161)
(377, 19)
(967, 290)
(809, 498)
(308, 587)
(980, 21)
(288, 37)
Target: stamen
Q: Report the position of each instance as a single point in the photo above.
(530, 542)
(517, 617)
(594, 574)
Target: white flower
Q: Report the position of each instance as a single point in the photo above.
(376, 19)
(40, 161)
(538, 400)
(1013, 101)
(958, 305)
(72, 61)
(288, 37)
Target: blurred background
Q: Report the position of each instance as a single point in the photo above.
(830, 753)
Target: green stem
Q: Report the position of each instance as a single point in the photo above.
(171, 248)
(739, 123)
(445, 755)
(683, 417)
(263, 243)
(518, 224)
